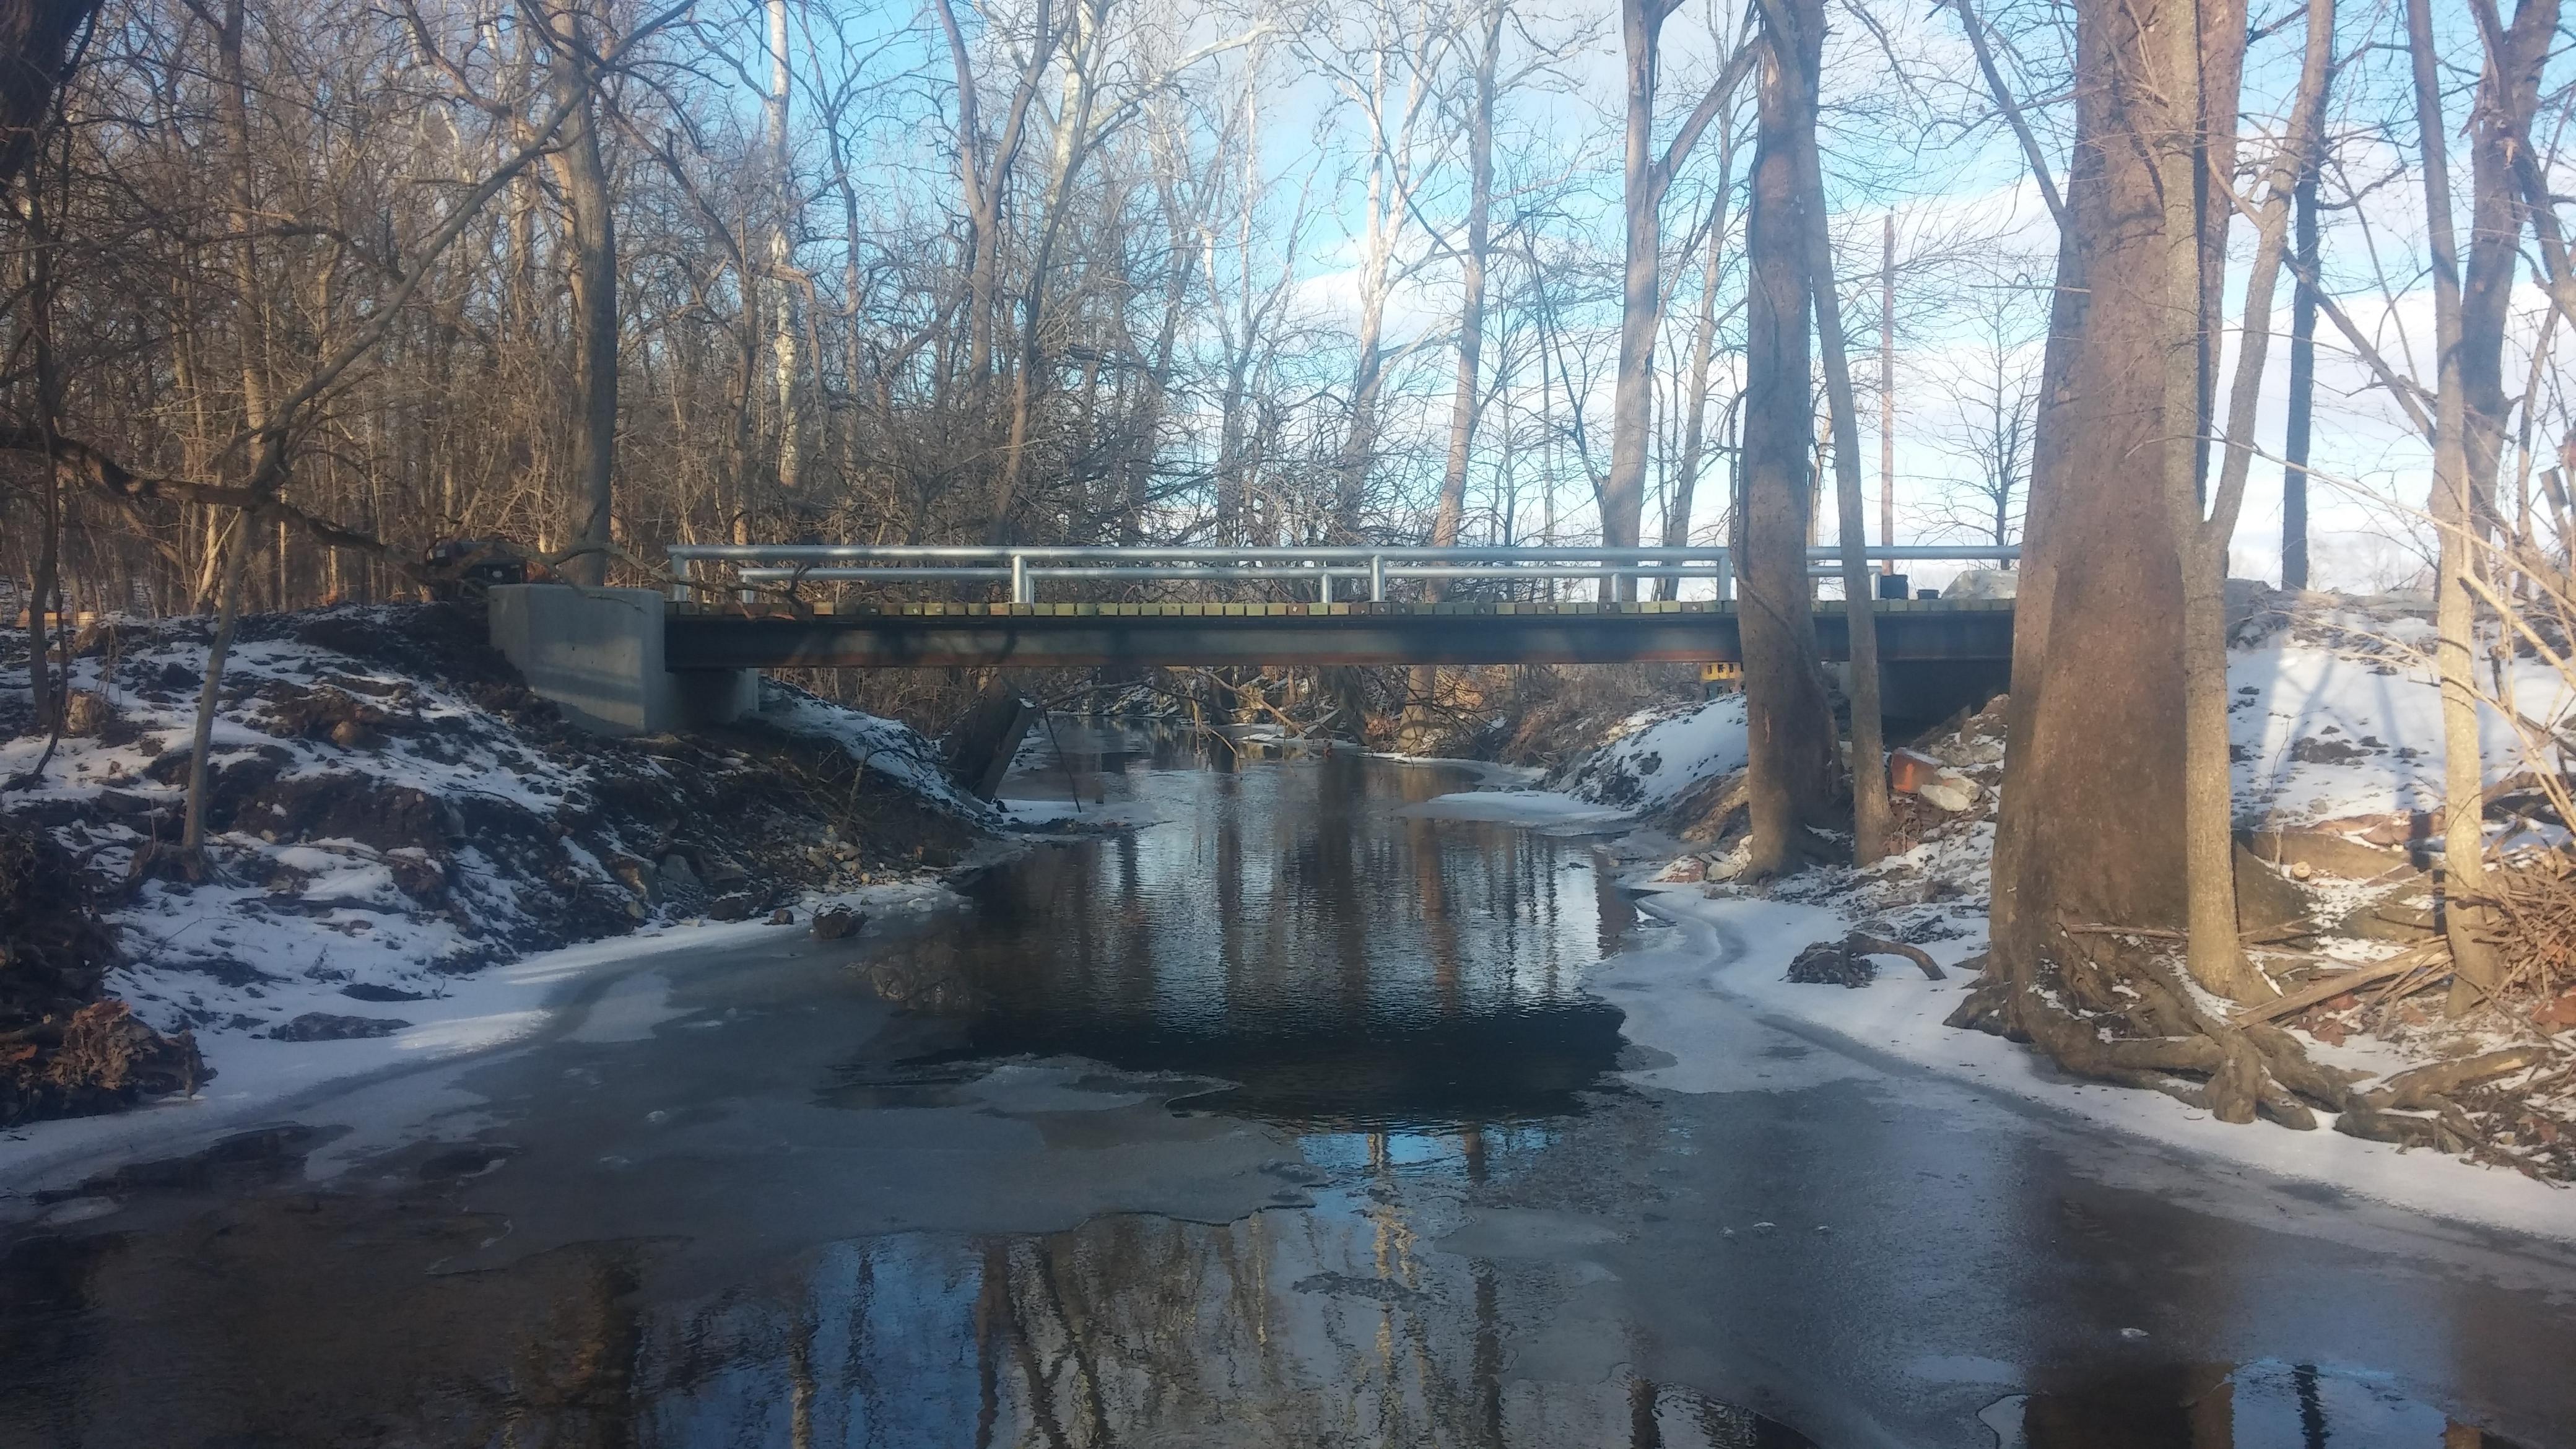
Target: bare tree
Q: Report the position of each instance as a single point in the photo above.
(1647, 176)
(1789, 776)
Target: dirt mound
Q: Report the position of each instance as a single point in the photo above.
(63, 1051)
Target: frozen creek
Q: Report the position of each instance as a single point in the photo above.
(1284, 1117)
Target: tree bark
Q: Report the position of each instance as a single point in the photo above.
(2095, 738)
(591, 267)
(1788, 777)
(1623, 496)
(35, 60)
(1694, 398)
(1464, 405)
(2212, 953)
(201, 739)
(2303, 351)
(2462, 436)
(1887, 389)
(782, 263)
(1646, 176)
(1799, 24)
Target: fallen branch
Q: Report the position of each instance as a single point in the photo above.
(2429, 1086)
(2329, 987)
(1860, 944)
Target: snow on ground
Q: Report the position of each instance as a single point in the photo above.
(2335, 716)
(1649, 760)
(487, 1010)
(1743, 947)
(2324, 733)
(1538, 809)
(392, 817)
(1656, 754)
(897, 751)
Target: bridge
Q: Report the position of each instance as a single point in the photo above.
(633, 660)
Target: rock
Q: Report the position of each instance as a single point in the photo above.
(2392, 917)
(2255, 610)
(1950, 791)
(1983, 584)
(782, 917)
(839, 921)
(1826, 963)
(674, 876)
(323, 1026)
(417, 874)
(348, 734)
(86, 714)
(734, 907)
(2267, 903)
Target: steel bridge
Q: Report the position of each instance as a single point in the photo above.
(780, 606)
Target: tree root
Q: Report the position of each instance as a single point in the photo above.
(2131, 1021)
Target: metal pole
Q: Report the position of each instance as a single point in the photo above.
(1377, 578)
(1022, 591)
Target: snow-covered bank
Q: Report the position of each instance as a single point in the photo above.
(260, 1077)
(2336, 728)
(1646, 762)
(1740, 945)
(391, 816)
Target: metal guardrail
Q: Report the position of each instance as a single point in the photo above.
(1024, 568)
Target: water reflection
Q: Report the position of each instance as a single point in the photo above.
(1405, 995)
(2259, 1405)
(1291, 933)
(1335, 1327)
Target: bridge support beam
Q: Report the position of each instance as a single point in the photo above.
(597, 655)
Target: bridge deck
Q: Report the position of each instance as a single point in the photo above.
(950, 635)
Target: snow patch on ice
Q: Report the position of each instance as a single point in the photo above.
(1540, 809)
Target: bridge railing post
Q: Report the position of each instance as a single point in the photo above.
(1377, 578)
(1022, 590)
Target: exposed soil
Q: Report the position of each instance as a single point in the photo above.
(63, 1050)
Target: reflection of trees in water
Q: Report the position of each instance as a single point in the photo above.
(1332, 1327)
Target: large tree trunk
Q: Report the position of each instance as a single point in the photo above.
(782, 264)
(35, 61)
(2213, 954)
(2303, 361)
(1623, 495)
(2468, 326)
(1789, 780)
(591, 264)
(1805, 20)
(2092, 823)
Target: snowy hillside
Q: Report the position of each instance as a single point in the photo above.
(390, 810)
(1657, 754)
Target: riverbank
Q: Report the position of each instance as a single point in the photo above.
(2338, 750)
(391, 815)
(1167, 1133)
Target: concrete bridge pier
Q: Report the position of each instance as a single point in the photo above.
(597, 654)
